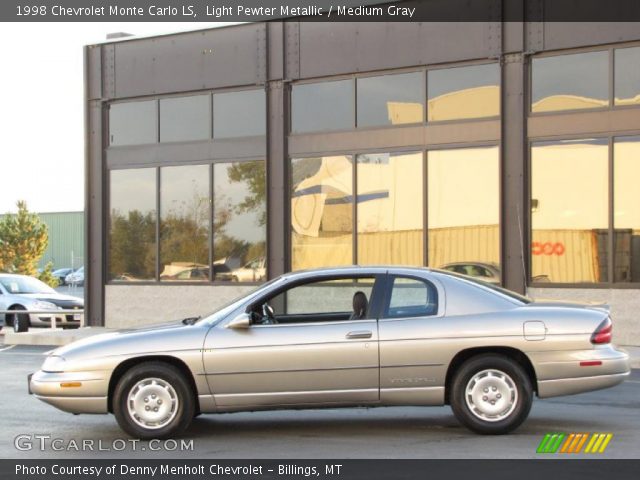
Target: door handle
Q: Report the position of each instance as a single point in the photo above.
(359, 334)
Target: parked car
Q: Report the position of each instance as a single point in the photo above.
(61, 275)
(75, 278)
(352, 336)
(21, 293)
(488, 272)
(253, 271)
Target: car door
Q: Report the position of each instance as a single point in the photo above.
(316, 354)
(411, 372)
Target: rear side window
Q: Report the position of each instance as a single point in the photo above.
(411, 297)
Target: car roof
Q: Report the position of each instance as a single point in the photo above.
(356, 270)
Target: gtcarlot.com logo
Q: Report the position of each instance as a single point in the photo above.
(574, 443)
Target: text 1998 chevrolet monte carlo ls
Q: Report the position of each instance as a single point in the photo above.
(354, 336)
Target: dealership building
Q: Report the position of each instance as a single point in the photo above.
(219, 158)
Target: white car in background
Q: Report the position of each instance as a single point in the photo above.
(21, 293)
(75, 278)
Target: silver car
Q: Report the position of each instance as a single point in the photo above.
(21, 293)
(355, 336)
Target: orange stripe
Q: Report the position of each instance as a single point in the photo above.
(567, 442)
(574, 443)
(584, 439)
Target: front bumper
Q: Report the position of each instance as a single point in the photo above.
(73, 392)
(45, 319)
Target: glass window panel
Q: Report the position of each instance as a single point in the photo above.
(464, 209)
(463, 92)
(627, 76)
(323, 297)
(626, 157)
(239, 114)
(390, 212)
(184, 223)
(411, 298)
(240, 218)
(132, 224)
(317, 107)
(321, 211)
(133, 123)
(570, 82)
(569, 211)
(185, 118)
(391, 99)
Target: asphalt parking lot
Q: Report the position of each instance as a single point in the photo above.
(399, 432)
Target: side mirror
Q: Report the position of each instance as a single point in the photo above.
(242, 321)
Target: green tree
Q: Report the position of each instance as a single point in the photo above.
(253, 175)
(23, 241)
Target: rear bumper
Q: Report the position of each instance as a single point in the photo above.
(73, 392)
(567, 373)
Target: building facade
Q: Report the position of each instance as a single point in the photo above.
(219, 158)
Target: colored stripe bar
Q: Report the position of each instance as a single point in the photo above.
(553, 447)
(606, 441)
(543, 443)
(581, 443)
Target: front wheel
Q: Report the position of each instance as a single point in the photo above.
(153, 400)
(20, 321)
(491, 394)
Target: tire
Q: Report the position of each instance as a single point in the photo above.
(20, 321)
(491, 378)
(164, 387)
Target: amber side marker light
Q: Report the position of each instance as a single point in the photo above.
(70, 384)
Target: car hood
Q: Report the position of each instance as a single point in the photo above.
(59, 299)
(153, 339)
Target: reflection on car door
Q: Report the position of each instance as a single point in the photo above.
(329, 361)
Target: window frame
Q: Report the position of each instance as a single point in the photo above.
(610, 138)
(388, 289)
(375, 301)
(156, 281)
(610, 49)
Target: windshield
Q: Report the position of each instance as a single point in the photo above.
(18, 285)
(495, 288)
(228, 307)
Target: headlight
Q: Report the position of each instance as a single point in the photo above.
(41, 305)
(53, 363)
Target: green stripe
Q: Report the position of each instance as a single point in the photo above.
(558, 443)
(543, 443)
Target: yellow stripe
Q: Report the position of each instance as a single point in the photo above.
(582, 440)
(605, 443)
(567, 442)
(598, 442)
(590, 444)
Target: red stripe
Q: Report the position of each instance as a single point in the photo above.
(591, 363)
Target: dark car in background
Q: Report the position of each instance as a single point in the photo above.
(61, 275)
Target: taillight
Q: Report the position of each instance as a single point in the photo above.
(603, 332)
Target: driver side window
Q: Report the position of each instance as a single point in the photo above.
(327, 300)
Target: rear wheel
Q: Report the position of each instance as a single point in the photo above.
(491, 394)
(153, 400)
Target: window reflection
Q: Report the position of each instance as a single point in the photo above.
(322, 106)
(463, 92)
(626, 157)
(464, 211)
(570, 82)
(184, 223)
(321, 211)
(390, 214)
(391, 99)
(132, 224)
(133, 123)
(239, 114)
(627, 76)
(239, 230)
(569, 218)
(185, 118)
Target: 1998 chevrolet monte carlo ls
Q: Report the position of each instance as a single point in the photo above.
(355, 336)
